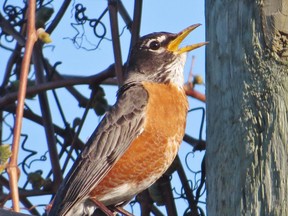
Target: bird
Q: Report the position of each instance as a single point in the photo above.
(139, 137)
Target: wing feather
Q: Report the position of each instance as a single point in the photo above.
(121, 125)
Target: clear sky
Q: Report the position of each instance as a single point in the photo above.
(158, 15)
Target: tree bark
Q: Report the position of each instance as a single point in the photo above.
(247, 105)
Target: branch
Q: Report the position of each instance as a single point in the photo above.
(16, 54)
(23, 194)
(9, 29)
(91, 80)
(146, 204)
(125, 15)
(12, 168)
(112, 6)
(47, 119)
(166, 191)
(4, 212)
(198, 145)
(136, 22)
(195, 94)
(53, 74)
(186, 187)
(59, 16)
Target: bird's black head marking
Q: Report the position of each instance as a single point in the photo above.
(157, 57)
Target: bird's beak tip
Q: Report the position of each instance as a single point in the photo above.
(174, 44)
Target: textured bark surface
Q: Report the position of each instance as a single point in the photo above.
(247, 104)
(275, 26)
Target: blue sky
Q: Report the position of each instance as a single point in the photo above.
(159, 15)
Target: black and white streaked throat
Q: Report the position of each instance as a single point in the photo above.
(157, 57)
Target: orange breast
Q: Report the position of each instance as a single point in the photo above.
(150, 155)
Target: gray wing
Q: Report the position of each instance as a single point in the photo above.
(121, 125)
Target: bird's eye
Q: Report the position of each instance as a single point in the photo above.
(154, 45)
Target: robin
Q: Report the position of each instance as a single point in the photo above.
(139, 137)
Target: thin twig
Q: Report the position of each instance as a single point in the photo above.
(10, 63)
(136, 22)
(47, 118)
(125, 15)
(58, 16)
(23, 193)
(9, 29)
(112, 6)
(12, 168)
(190, 77)
(186, 187)
(39, 120)
(166, 192)
(101, 206)
(79, 128)
(9, 98)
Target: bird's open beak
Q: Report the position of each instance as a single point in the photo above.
(173, 46)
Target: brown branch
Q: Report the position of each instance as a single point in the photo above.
(29, 206)
(186, 187)
(23, 194)
(47, 119)
(125, 15)
(198, 145)
(112, 6)
(12, 168)
(9, 66)
(145, 202)
(5, 197)
(195, 94)
(91, 80)
(53, 74)
(58, 17)
(166, 191)
(9, 29)
(136, 22)
(4, 212)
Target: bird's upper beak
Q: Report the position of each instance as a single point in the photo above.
(173, 46)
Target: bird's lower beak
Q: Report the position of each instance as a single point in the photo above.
(173, 46)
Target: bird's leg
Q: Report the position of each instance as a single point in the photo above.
(122, 211)
(101, 206)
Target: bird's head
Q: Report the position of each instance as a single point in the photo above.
(157, 57)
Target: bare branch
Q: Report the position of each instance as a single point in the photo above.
(61, 82)
(112, 5)
(47, 119)
(186, 186)
(125, 15)
(59, 16)
(12, 168)
(136, 22)
(9, 29)
(195, 94)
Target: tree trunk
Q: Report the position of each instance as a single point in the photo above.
(247, 104)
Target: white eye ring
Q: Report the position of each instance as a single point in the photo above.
(154, 45)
